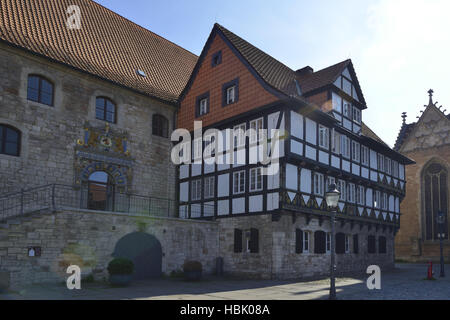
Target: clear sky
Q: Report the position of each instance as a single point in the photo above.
(400, 48)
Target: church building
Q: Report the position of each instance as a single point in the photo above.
(427, 141)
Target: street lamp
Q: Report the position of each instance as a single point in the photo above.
(440, 219)
(332, 199)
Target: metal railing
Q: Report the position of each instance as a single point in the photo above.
(58, 196)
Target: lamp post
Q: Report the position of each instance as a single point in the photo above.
(440, 219)
(332, 198)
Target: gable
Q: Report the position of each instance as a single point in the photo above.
(210, 79)
(347, 82)
(432, 130)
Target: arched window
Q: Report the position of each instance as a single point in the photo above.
(160, 126)
(40, 90)
(9, 140)
(105, 110)
(435, 193)
(100, 191)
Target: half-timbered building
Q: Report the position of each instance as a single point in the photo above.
(276, 222)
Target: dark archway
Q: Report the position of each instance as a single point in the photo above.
(144, 250)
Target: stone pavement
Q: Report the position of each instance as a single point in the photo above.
(405, 282)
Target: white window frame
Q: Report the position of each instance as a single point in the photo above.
(343, 190)
(209, 187)
(239, 135)
(345, 146)
(360, 195)
(324, 137)
(384, 201)
(347, 109)
(239, 188)
(347, 243)
(377, 199)
(256, 179)
(330, 181)
(197, 148)
(203, 107)
(387, 165)
(356, 151)
(306, 241)
(255, 127)
(196, 189)
(231, 94)
(356, 115)
(336, 142)
(351, 192)
(318, 184)
(365, 155)
(380, 162)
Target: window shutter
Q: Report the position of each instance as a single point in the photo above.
(371, 244)
(298, 241)
(320, 242)
(382, 245)
(355, 244)
(237, 240)
(340, 243)
(254, 238)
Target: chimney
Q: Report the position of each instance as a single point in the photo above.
(305, 71)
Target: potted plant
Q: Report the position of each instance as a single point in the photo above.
(192, 270)
(120, 271)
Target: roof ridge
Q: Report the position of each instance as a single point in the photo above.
(138, 25)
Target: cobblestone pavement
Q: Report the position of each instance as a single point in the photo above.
(406, 281)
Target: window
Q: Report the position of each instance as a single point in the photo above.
(356, 115)
(105, 110)
(216, 59)
(355, 151)
(160, 126)
(318, 183)
(324, 134)
(202, 105)
(237, 240)
(255, 127)
(377, 199)
(305, 242)
(40, 90)
(347, 243)
(384, 201)
(330, 181)
(394, 168)
(380, 161)
(345, 146)
(347, 109)
(360, 195)
(320, 242)
(239, 182)
(382, 244)
(355, 244)
(328, 242)
(196, 189)
(9, 140)
(387, 165)
(371, 245)
(351, 192)
(209, 187)
(255, 179)
(230, 92)
(365, 155)
(347, 86)
(343, 190)
(340, 243)
(253, 240)
(336, 142)
(210, 146)
(197, 148)
(337, 102)
(239, 135)
(100, 191)
(435, 195)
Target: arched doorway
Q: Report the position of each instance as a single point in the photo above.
(100, 191)
(144, 250)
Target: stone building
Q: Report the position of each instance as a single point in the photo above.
(88, 101)
(427, 141)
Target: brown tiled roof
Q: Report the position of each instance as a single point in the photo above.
(322, 77)
(108, 45)
(366, 131)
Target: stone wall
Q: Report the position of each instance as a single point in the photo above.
(88, 239)
(277, 257)
(50, 134)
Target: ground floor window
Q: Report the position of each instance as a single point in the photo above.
(371, 245)
(382, 244)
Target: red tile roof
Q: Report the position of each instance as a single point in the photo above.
(107, 45)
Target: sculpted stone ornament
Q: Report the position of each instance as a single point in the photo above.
(103, 149)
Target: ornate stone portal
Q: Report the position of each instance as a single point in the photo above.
(103, 149)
